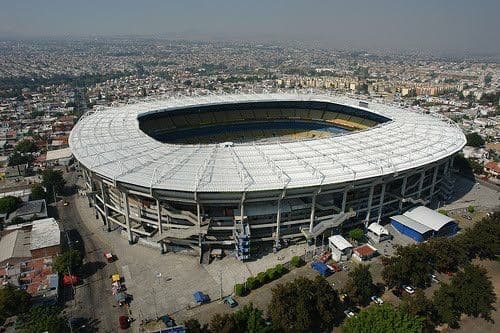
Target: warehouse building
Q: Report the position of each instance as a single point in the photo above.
(422, 223)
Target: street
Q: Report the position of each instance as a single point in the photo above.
(93, 298)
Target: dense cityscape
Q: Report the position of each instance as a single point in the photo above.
(55, 251)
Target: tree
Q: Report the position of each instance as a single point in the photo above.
(44, 318)
(13, 302)
(418, 305)
(483, 239)
(53, 181)
(68, 261)
(194, 326)
(296, 261)
(357, 234)
(359, 285)
(37, 192)
(304, 305)
(444, 301)
(470, 292)
(447, 255)
(18, 158)
(8, 204)
(223, 323)
(409, 265)
(25, 146)
(250, 319)
(383, 318)
(474, 140)
(471, 209)
(474, 292)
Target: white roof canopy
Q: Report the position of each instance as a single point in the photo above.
(110, 143)
(339, 242)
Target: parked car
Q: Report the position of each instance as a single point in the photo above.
(230, 302)
(377, 300)
(124, 322)
(434, 278)
(351, 312)
(410, 290)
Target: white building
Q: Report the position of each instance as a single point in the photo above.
(378, 233)
(341, 249)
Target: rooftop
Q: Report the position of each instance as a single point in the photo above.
(45, 233)
(109, 142)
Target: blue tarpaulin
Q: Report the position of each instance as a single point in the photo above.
(200, 297)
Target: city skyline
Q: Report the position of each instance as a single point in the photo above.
(443, 28)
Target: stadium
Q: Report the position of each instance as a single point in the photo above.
(232, 171)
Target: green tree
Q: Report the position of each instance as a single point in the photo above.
(474, 292)
(8, 204)
(13, 302)
(194, 326)
(483, 239)
(239, 289)
(17, 158)
(53, 181)
(252, 283)
(357, 234)
(447, 255)
(68, 261)
(383, 318)
(304, 305)
(25, 146)
(224, 323)
(444, 301)
(474, 140)
(359, 286)
(44, 319)
(37, 192)
(418, 305)
(471, 209)
(409, 265)
(250, 319)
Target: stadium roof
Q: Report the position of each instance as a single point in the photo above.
(110, 143)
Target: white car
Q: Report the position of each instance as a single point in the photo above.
(377, 300)
(409, 289)
(434, 278)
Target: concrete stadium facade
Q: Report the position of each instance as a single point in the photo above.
(234, 194)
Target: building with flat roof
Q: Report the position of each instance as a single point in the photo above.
(341, 249)
(45, 238)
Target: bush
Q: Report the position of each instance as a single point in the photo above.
(239, 289)
(471, 209)
(262, 278)
(296, 261)
(280, 270)
(271, 274)
(8, 204)
(357, 234)
(443, 212)
(252, 283)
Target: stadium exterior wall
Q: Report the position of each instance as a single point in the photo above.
(175, 218)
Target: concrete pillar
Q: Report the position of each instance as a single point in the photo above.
(381, 202)
(421, 184)
(434, 178)
(158, 215)
(198, 217)
(127, 217)
(278, 221)
(105, 207)
(344, 200)
(403, 192)
(313, 209)
(447, 168)
(369, 208)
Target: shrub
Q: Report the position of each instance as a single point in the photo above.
(296, 261)
(262, 278)
(471, 209)
(271, 274)
(280, 270)
(442, 211)
(239, 289)
(252, 283)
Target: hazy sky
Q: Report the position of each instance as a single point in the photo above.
(429, 25)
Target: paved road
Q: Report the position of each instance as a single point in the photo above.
(93, 298)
